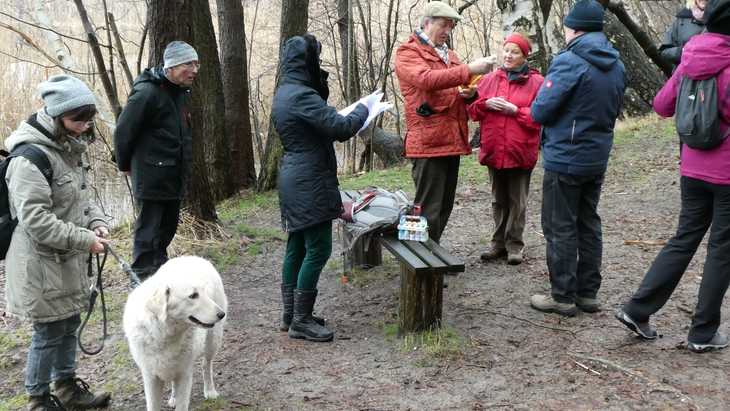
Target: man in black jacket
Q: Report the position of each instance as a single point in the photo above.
(153, 145)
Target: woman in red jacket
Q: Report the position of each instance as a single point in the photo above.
(509, 143)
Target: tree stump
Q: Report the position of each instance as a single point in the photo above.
(421, 297)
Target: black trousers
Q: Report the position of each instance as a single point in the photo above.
(572, 229)
(435, 180)
(154, 230)
(704, 205)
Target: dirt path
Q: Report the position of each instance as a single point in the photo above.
(499, 354)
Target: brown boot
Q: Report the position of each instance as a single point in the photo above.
(45, 402)
(493, 254)
(74, 393)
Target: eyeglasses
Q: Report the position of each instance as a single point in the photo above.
(192, 64)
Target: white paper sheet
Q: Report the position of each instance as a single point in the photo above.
(371, 102)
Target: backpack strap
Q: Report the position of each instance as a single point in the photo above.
(36, 156)
(33, 122)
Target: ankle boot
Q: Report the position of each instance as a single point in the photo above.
(74, 393)
(303, 324)
(287, 300)
(44, 402)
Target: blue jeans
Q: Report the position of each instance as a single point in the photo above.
(573, 236)
(52, 354)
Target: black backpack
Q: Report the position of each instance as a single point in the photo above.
(697, 115)
(36, 156)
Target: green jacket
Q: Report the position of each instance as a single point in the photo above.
(153, 138)
(46, 263)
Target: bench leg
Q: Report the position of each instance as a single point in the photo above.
(421, 300)
(358, 257)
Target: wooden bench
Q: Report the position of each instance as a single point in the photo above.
(423, 266)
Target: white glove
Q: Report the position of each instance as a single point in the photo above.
(373, 98)
(382, 106)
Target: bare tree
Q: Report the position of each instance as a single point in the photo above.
(106, 76)
(294, 21)
(235, 89)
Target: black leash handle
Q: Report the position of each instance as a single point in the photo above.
(96, 290)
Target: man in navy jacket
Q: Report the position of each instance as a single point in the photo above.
(577, 106)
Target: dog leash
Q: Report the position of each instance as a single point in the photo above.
(97, 290)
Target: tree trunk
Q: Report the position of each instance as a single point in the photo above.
(55, 42)
(232, 34)
(641, 37)
(644, 77)
(350, 68)
(526, 17)
(294, 20)
(106, 81)
(170, 20)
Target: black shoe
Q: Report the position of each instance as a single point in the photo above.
(642, 329)
(303, 324)
(74, 393)
(718, 342)
(45, 402)
(287, 300)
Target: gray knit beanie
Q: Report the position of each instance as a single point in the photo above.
(178, 52)
(63, 93)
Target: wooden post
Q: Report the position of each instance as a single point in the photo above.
(421, 300)
(361, 258)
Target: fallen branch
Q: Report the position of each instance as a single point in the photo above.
(652, 384)
(645, 242)
(525, 320)
(585, 367)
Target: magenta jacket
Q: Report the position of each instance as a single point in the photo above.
(704, 56)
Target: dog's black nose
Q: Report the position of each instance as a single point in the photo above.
(221, 315)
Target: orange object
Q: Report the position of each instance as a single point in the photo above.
(472, 83)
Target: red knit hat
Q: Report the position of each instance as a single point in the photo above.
(520, 41)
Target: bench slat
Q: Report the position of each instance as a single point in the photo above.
(403, 253)
(455, 264)
(426, 255)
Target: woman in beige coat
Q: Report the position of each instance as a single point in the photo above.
(58, 226)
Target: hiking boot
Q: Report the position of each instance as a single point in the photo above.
(45, 402)
(514, 258)
(588, 305)
(303, 324)
(642, 329)
(493, 254)
(75, 393)
(547, 304)
(287, 300)
(718, 342)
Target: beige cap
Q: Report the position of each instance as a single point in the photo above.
(441, 9)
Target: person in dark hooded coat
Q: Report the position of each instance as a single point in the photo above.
(309, 195)
(688, 23)
(577, 105)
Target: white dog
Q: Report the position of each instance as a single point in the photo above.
(170, 321)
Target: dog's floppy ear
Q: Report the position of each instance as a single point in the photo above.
(157, 304)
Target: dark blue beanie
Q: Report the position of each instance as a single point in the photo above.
(586, 15)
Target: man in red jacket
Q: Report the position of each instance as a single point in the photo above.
(436, 121)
